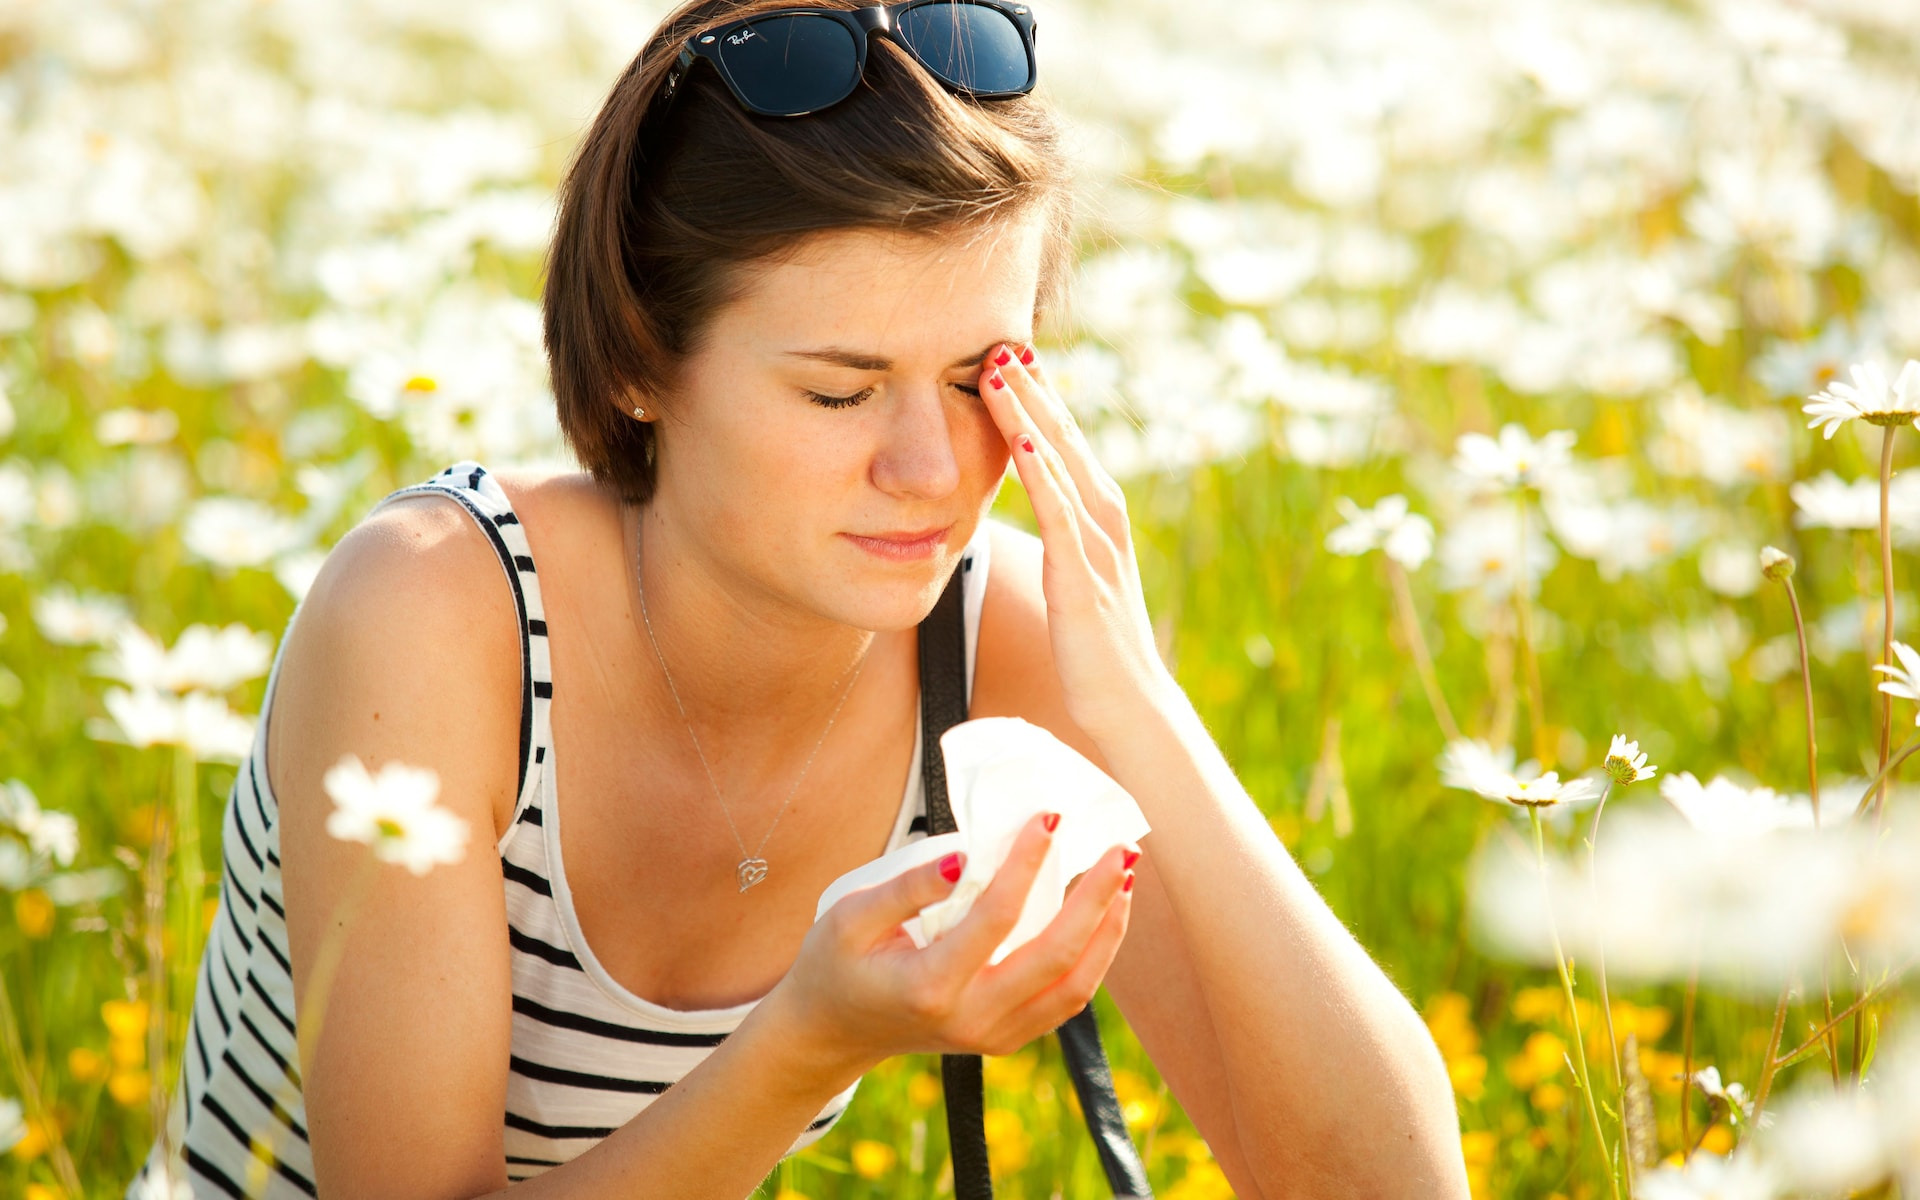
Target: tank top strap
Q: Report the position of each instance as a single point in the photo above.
(468, 482)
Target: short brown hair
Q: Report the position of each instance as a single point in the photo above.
(649, 244)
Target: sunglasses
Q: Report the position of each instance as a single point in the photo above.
(789, 62)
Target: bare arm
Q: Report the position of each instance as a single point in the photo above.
(406, 1085)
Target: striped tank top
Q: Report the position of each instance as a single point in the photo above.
(586, 1054)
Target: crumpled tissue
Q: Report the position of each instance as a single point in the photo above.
(1000, 772)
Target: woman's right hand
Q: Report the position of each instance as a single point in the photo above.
(866, 993)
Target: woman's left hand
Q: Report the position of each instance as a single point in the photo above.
(1103, 644)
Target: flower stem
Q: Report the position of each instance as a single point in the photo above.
(1772, 1062)
(1813, 791)
(1523, 616)
(33, 1102)
(154, 934)
(1422, 659)
(1573, 1012)
(188, 923)
(1686, 1053)
(1886, 612)
(1600, 976)
(1886, 771)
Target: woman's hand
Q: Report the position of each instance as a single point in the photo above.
(1102, 638)
(865, 992)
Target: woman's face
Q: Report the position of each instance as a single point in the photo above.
(840, 397)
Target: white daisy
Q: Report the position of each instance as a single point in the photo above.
(13, 1125)
(198, 720)
(1405, 537)
(1775, 563)
(394, 812)
(1472, 765)
(53, 834)
(1709, 1177)
(1868, 398)
(1626, 763)
(1726, 809)
(1904, 680)
(1515, 459)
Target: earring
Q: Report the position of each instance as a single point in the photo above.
(638, 411)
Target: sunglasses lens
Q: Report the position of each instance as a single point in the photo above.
(792, 64)
(969, 46)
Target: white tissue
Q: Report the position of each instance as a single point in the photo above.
(1000, 772)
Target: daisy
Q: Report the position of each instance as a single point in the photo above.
(1708, 1177)
(1869, 398)
(1515, 459)
(1726, 809)
(199, 721)
(1775, 564)
(1626, 763)
(1405, 537)
(394, 812)
(13, 1125)
(1472, 765)
(1904, 680)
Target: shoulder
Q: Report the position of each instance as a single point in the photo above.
(1013, 672)
(407, 640)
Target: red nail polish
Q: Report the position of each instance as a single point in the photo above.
(1003, 358)
(1026, 355)
(995, 380)
(950, 868)
(1025, 443)
(1126, 885)
(1129, 858)
(1051, 821)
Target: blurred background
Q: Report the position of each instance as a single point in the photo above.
(262, 261)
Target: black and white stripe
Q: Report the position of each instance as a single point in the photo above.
(586, 1056)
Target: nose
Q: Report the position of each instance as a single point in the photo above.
(916, 458)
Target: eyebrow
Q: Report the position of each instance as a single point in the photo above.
(873, 362)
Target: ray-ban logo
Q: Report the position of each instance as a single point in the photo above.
(734, 39)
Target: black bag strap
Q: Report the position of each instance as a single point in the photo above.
(943, 704)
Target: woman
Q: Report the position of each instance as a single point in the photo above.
(793, 355)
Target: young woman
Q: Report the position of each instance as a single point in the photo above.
(793, 353)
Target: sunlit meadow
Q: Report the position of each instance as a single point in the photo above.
(1454, 356)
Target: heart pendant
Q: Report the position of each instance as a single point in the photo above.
(752, 871)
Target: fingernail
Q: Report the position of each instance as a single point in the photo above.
(950, 868)
(1025, 443)
(1129, 858)
(1126, 885)
(994, 380)
(1026, 355)
(1003, 358)
(1051, 821)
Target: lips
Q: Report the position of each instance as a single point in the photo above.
(918, 535)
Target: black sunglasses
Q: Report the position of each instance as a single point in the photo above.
(789, 62)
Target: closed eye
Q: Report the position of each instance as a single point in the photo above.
(825, 401)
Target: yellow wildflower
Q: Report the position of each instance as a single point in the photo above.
(873, 1159)
(33, 1144)
(86, 1066)
(125, 1018)
(1006, 1138)
(1448, 1017)
(1540, 1058)
(33, 912)
(1012, 1072)
(1469, 1076)
(129, 1087)
(42, 1191)
(1203, 1181)
(1139, 1102)
(1719, 1139)
(1549, 1097)
(1538, 1005)
(923, 1090)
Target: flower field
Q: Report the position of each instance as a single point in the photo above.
(1516, 411)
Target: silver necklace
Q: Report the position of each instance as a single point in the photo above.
(752, 867)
